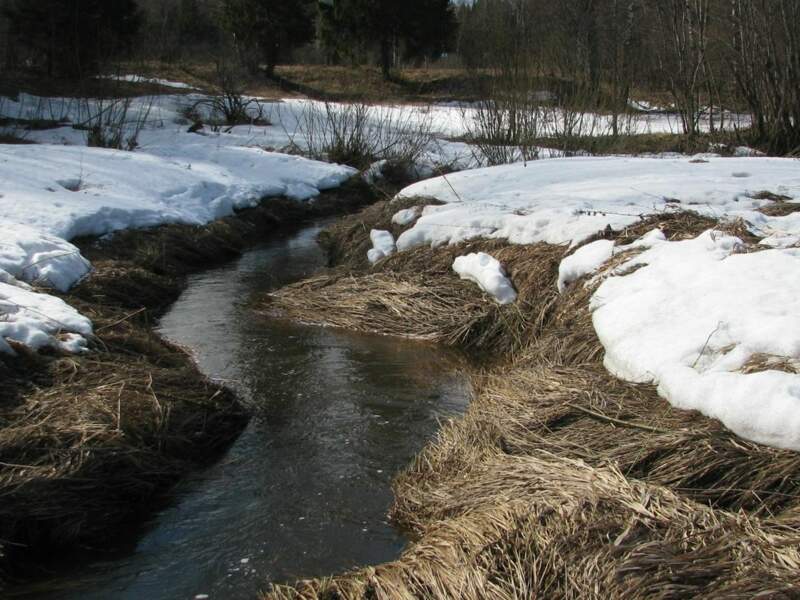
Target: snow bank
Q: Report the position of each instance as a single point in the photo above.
(781, 240)
(586, 259)
(68, 191)
(50, 194)
(40, 320)
(31, 255)
(566, 201)
(488, 273)
(382, 245)
(692, 317)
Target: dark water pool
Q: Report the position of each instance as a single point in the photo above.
(305, 490)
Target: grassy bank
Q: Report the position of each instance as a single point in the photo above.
(312, 81)
(89, 442)
(561, 480)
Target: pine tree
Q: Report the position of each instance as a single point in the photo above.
(264, 30)
(423, 28)
(73, 36)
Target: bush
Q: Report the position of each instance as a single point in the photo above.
(359, 134)
(229, 106)
(111, 123)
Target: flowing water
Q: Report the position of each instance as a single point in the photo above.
(305, 490)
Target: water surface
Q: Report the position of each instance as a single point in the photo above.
(305, 490)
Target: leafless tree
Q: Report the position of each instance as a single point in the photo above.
(682, 55)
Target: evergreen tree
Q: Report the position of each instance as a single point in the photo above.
(72, 36)
(421, 28)
(264, 30)
(430, 28)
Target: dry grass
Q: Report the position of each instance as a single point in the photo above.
(339, 83)
(415, 294)
(760, 362)
(553, 527)
(562, 481)
(780, 209)
(347, 241)
(88, 441)
(100, 434)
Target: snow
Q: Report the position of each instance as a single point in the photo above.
(745, 151)
(685, 315)
(31, 255)
(50, 194)
(164, 120)
(566, 201)
(406, 216)
(645, 106)
(382, 245)
(690, 319)
(92, 191)
(488, 273)
(586, 259)
(142, 79)
(40, 320)
(374, 173)
(781, 240)
(59, 189)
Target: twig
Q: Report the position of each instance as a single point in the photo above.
(122, 320)
(708, 339)
(621, 423)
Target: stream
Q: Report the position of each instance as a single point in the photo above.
(305, 490)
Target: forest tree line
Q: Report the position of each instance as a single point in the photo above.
(74, 37)
(703, 55)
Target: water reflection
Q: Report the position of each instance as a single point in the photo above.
(305, 490)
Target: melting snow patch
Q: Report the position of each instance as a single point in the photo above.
(693, 315)
(566, 201)
(36, 257)
(39, 321)
(382, 245)
(375, 172)
(406, 216)
(586, 259)
(780, 240)
(141, 79)
(488, 273)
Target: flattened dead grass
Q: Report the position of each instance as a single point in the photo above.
(88, 441)
(347, 241)
(416, 294)
(552, 527)
(560, 481)
(780, 209)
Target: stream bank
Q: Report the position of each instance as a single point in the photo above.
(90, 442)
(561, 480)
(305, 489)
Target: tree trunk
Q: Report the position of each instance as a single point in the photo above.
(386, 57)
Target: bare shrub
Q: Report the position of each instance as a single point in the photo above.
(114, 123)
(229, 105)
(504, 127)
(765, 60)
(359, 134)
